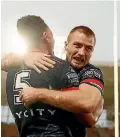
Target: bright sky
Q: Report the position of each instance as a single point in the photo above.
(61, 18)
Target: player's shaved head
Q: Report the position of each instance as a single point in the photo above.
(83, 29)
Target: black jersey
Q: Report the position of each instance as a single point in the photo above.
(41, 119)
(70, 79)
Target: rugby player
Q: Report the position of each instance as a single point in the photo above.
(86, 76)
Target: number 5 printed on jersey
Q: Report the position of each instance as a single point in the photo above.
(20, 82)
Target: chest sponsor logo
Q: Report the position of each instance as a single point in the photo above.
(33, 112)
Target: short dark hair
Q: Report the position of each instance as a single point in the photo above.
(31, 27)
(85, 30)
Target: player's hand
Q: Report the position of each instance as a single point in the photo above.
(38, 60)
(28, 96)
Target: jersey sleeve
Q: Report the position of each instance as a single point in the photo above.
(93, 77)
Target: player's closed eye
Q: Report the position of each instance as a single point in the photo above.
(89, 49)
(78, 45)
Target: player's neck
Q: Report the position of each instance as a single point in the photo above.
(43, 49)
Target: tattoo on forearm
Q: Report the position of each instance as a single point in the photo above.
(62, 102)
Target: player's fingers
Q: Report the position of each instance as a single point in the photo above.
(36, 68)
(46, 55)
(41, 66)
(48, 60)
(46, 64)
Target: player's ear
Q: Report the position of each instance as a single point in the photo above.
(45, 36)
(66, 45)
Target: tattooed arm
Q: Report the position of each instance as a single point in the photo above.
(76, 102)
(10, 61)
(34, 60)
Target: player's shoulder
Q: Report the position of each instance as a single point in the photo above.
(61, 67)
(60, 62)
(13, 71)
(22, 70)
(90, 66)
(91, 71)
